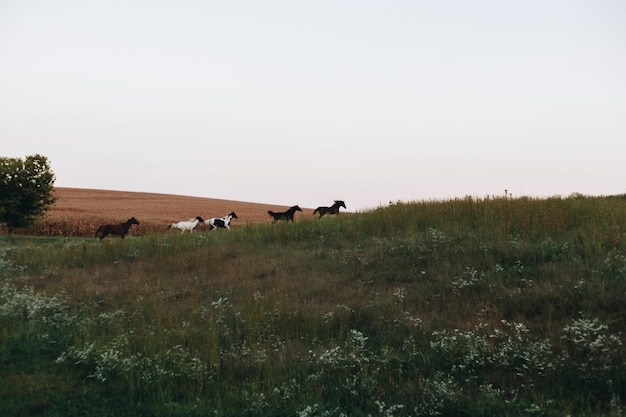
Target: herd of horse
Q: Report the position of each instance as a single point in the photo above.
(121, 229)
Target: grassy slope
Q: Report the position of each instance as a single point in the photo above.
(465, 307)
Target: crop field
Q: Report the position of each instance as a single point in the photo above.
(79, 212)
(466, 307)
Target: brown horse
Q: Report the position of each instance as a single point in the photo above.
(115, 229)
(285, 215)
(334, 209)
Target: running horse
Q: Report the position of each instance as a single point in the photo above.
(186, 225)
(285, 215)
(221, 222)
(334, 209)
(116, 229)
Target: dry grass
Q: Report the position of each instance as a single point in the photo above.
(465, 307)
(79, 212)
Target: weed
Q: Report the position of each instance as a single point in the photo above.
(461, 307)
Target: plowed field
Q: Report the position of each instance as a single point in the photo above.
(79, 212)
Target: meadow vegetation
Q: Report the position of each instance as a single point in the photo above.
(465, 307)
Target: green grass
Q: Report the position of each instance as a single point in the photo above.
(468, 307)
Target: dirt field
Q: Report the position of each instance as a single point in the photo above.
(79, 212)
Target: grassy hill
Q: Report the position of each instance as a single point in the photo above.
(468, 307)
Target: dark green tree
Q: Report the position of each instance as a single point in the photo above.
(25, 190)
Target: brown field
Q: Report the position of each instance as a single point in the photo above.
(79, 212)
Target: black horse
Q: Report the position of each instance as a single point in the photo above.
(285, 215)
(334, 209)
(115, 229)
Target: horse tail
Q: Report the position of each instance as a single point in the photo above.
(316, 210)
(271, 213)
(169, 226)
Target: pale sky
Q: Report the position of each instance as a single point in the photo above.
(305, 102)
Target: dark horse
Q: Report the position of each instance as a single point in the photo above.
(334, 209)
(115, 229)
(285, 215)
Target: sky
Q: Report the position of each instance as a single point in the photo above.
(294, 102)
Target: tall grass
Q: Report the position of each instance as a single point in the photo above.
(464, 307)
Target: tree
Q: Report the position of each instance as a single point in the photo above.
(25, 190)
